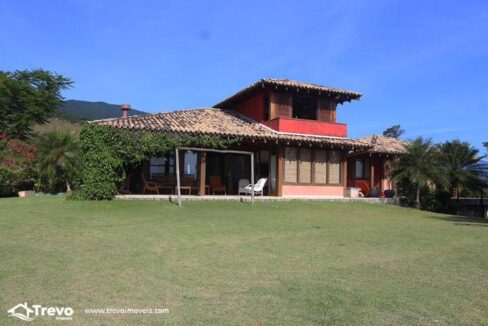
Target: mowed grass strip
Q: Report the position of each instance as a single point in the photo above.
(234, 263)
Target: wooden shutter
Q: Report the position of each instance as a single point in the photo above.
(305, 165)
(334, 167)
(327, 111)
(291, 164)
(280, 106)
(320, 166)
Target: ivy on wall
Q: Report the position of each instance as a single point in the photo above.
(106, 151)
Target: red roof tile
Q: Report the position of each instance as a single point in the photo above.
(213, 121)
(341, 94)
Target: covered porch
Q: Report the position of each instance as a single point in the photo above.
(370, 170)
(370, 173)
(205, 172)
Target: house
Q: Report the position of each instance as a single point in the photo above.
(291, 127)
(21, 311)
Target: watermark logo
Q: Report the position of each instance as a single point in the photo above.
(24, 312)
(21, 311)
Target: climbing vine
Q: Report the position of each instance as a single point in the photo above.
(106, 151)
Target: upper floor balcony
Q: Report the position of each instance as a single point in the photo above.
(310, 127)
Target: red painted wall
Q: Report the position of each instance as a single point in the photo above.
(253, 106)
(308, 127)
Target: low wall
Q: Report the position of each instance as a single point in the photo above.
(306, 190)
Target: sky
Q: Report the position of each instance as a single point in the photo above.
(420, 64)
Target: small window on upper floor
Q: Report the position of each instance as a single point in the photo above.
(266, 108)
(304, 107)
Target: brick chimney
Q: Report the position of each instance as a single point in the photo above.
(125, 110)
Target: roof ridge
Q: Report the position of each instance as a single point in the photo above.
(149, 114)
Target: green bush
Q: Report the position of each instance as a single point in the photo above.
(6, 185)
(107, 152)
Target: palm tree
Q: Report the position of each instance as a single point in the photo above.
(59, 159)
(464, 166)
(420, 166)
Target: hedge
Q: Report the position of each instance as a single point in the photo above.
(106, 151)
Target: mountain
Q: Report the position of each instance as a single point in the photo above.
(75, 110)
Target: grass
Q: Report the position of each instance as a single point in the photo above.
(231, 263)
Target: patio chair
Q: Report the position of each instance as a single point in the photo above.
(187, 184)
(165, 183)
(216, 185)
(363, 186)
(241, 185)
(149, 186)
(258, 187)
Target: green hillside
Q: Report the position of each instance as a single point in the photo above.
(76, 110)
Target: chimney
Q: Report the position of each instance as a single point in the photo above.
(125, 110)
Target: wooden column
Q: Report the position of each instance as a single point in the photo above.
(280, 170)
(344, 175)
(202, 168)
(371, 166)
(178, 189)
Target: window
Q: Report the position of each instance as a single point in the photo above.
(320, 166)
(309, 166)
(266, 108)
(190, 167)
(362, 168)
(305, 165)
(334, 167)
(291, 164)
(156, 166)
(304, 107)
(161, 165)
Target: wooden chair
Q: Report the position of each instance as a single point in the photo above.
(188, 184)
(166, 182)
(216, 185)
(149, 185)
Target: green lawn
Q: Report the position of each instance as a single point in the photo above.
(233, 263)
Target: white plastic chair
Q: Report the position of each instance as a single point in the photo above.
(258, 188)
(242, 184)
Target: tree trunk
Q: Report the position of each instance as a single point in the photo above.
(417, 199)
(68, 187)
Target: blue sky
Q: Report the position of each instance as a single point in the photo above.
(421, 64)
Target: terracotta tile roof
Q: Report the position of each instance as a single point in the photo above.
(382, 144)
(341, 94)
(213, 121)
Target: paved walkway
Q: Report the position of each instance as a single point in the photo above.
(174, 198)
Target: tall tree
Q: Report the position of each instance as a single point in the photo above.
(59, 160)
(464, 165)
(28, 97)
(420, 166)
(394, 131)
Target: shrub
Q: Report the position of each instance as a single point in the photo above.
(107, 152)
(6, 186)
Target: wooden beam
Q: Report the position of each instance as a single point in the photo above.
(344, 174)
(280, 170)
(252, 178)
(178, 190)
(202, 167)
(371, 174)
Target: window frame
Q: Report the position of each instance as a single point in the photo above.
(166, 166)
(313, 183)
(298, 97)
(366, 168)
